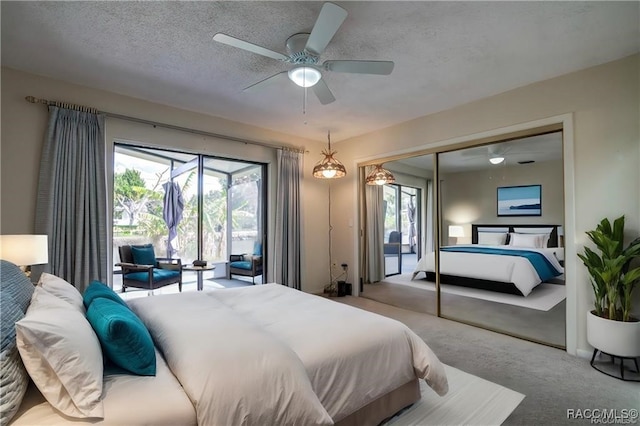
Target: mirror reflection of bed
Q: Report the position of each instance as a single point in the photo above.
(519, 260)
(468, 198)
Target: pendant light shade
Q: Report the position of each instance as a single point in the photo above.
(380, 176)
(329, 167)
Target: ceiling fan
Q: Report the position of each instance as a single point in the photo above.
(304, 50)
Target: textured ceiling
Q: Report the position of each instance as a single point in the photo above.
(445, 54)
(532, 149)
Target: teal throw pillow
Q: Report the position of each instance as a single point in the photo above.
(98, 289)
(125, 340)
(143, 255)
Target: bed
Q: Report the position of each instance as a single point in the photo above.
(510, 259)
(257, 355)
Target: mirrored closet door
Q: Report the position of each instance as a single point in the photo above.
(404, 217)
(500, 252)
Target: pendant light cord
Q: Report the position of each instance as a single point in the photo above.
(331, 289)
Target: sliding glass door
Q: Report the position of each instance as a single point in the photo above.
(220, 209)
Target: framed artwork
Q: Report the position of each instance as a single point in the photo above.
(520, 200)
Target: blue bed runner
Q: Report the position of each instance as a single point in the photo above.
(543, 267)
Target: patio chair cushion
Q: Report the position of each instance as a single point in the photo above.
(143, 255)
(158, 274)
(241, 264)
(257, 249)
(124, 338)
(97, 289)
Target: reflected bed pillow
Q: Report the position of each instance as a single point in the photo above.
(492, 238)
(62, 355)
(539, 231)
(528, 240)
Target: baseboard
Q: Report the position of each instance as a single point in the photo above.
(583, 353)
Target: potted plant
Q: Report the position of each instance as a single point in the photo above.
(610, 326)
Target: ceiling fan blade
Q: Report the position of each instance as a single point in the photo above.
(266, 82)
(245, 45)
(322, 92)
(360, 67)
(330, 18)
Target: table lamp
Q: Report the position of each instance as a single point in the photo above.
(455, 232)
(24, 250)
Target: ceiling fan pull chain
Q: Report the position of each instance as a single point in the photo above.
(304, 104)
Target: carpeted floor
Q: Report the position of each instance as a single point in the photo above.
(543, 297)
(544, 326)
(551, 380)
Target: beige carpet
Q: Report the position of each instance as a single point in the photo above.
(542, 298)
(471, 400)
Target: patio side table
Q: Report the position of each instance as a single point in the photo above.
(199, 270)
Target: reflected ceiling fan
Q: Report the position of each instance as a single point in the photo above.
(304, 50)
(497, 153)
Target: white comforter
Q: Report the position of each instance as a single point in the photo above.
(234, 372)
(493, 267)
(272, 355)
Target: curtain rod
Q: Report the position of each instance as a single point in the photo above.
(82, 108)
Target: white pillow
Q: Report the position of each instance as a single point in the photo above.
(546, 231)
(62, 355)
(533, 230)
(62, 289)
(492, 238)
(527, 240)
(493, 229)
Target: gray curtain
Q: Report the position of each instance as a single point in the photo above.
(429, 223)
(374, 238)
(172, 212)
(287, 264)
(71, 207)
(411, 216)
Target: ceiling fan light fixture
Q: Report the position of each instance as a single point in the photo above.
(329, 167)
(380, 176)
(304, 76)
(496, 160)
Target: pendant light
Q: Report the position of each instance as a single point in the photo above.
(329, 167)
(380, 176)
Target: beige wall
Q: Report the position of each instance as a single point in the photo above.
(604, 105)
(470, 197)
(24, 125)
(603, 102)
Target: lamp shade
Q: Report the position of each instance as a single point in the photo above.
(496, 160)
(329, 167)
(304, 76)
(379, 176)
(456, 231)
(24, 250)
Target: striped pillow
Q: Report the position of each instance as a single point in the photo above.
(13, 376)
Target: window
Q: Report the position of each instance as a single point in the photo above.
(223, 210)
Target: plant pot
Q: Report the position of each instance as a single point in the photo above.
(613, 337)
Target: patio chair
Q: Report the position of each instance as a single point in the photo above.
(247, 265)
(394, 245)
(393, 248)
(142, 269)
